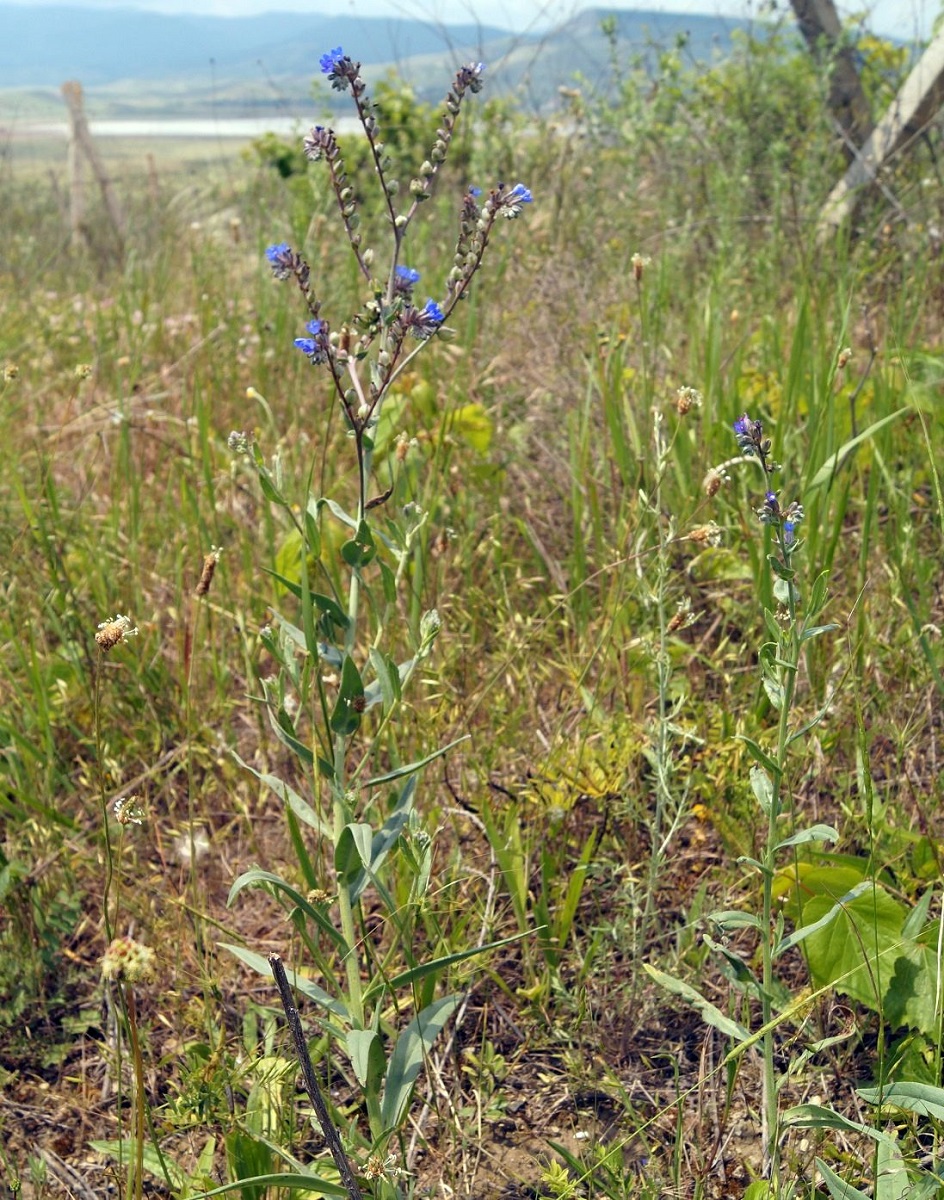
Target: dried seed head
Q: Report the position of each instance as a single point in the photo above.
(10, 372)
(113, 632)
(687, 398)
(127, 960)
(706, 535)
(844, 356)
(639, 264)
(129, 810)
(683, 616)
(209, 566)
(83, 371)
(712, 482)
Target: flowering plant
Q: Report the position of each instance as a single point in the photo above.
(336, 671)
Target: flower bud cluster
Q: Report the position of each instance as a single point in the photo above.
(390, 314)
(753, 444)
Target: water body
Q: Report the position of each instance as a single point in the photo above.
(182, 127)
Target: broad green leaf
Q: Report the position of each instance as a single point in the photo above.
(709, 1014)
(350, 702)
(353, 851)
(408, 1057)
(815, 833)
(806, 931)
(261, 966)
(919, 914)
(800, 881)
(920, 1098)
(911, 996)
(892, 1182)
(360, 549)
(831, 466)
(818, 595)
(288, 562)
(856, 951)
(365, 1050)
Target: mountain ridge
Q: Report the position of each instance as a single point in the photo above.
(133, 62)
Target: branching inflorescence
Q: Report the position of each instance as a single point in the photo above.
(390, 318)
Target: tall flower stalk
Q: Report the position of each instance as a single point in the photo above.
(337, 660)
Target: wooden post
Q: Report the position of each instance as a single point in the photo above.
(76, 182)
(81, 144)
(904, 119)
(821, 29)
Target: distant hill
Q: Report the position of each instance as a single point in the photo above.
(45, 45)
(134, 62)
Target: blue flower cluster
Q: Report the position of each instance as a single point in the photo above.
(316, 346)
(753, 444)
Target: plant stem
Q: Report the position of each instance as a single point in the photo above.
(789, 657)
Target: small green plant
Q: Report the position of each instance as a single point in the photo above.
(360, 904)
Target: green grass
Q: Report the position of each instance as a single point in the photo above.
(602, 801)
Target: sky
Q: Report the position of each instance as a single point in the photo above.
(906, 19)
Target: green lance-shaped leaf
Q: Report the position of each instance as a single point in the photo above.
(762, 788)
(300, 807)
(838, 1188)
(257, 878)
(350, 703)
(831, 466)
(815, 833)
(760, 755)
(709, 1013)
(409, 1054)
(261, 965)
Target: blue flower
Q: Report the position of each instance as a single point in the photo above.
(408, 276)
(512, 202)
(423, 322)
(470, 77)
(314, 347)
(475, 191)
(281, 259)
(331, 62)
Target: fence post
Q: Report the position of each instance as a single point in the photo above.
(82, 146)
